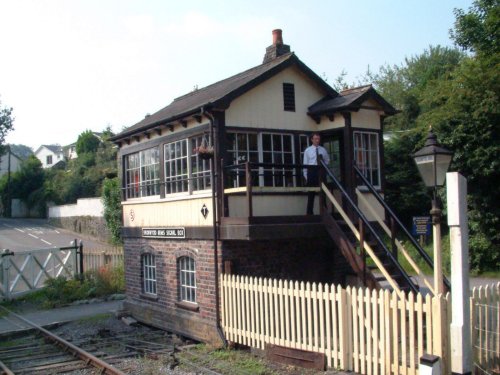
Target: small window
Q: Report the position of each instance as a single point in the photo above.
(289, 97)
(149, 273)
(49, 159)
(187, 279)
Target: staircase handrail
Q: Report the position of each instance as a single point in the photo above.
(384, 204)
(369, 226)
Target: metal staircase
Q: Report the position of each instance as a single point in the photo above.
(362, 244)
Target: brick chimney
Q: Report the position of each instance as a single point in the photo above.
(277, 48)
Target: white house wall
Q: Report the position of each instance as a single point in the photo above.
(15, 164)
(42, 156)
(184, 212)
(262, 107)
(366, 118)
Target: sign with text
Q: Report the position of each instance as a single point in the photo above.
(164, 232)
(421, 225)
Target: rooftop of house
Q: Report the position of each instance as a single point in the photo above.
(56, 149)
(219, 94)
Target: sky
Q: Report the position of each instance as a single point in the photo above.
(71, 65)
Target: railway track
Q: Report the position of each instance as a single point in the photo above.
(37, 351)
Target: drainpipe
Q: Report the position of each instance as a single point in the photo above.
(213, 182)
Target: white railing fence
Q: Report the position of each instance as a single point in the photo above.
(95, 258)
(25, 271)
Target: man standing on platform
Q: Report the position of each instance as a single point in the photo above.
(311, 157)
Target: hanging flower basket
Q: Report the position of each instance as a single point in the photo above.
(205, 152)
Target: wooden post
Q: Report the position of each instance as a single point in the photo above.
(248, 176)
(461, 353)
(224, 203)
(321, 199)
(362, 247)
(80, 251)
(6, 254)
(393, 238)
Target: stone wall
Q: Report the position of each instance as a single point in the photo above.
(91, 226)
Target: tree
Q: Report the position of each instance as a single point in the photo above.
(87, 143)
(6, 124)
(111, 197)
(478, 30)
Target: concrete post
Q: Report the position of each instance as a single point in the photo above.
(429, 365)
(6, 254)
(461, 348)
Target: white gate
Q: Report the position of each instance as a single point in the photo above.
(25, 271)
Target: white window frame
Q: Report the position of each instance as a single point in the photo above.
(369, 144)
(176, 178)
(149, 274)
(187, 279)
(260, 154)
(140, 186)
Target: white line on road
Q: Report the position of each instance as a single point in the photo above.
(47, 242)
(8, 226)
(32, 235)
(56, 231)
(19, 230)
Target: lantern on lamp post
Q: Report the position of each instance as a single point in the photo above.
(433, 162)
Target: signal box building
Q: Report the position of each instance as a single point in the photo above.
(213, 183)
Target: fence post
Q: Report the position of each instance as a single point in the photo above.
(461, 353)
(80, 251)
(6, 254)
(429, 365)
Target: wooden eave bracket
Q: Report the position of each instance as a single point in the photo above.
(158, 131)
(170, 127)
(198, 118)
(183, 123)
(147, 135)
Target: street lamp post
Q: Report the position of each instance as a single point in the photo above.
(433, 162)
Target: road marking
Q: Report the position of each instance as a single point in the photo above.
(56, 231)
(8, 226)
(32, 235)
(19, 230)
(47, 242)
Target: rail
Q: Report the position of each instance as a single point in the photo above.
(87, 357)
(366, 224)
(395, 219)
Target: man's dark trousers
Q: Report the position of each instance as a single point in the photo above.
(312, 181)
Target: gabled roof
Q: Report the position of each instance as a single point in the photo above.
(351, 100)
(220, 94)
(56, 149)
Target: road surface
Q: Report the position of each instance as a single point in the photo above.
(34, 234)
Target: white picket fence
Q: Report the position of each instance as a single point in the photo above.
(485, 328)
(358, 329)
(96, 257)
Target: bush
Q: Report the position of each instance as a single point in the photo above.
(107, 280)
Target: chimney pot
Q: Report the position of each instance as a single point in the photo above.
(277, 37)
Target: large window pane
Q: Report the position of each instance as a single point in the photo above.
(142, 173)
(366, 154)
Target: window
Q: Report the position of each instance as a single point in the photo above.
(277, 149)
(289, 97)
(142, 173)
(176, 167)
(366, 155)
(149, 273)
(269, 148)
(49, 159)
(200, 168)
(187, 279)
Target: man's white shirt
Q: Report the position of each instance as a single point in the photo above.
(310, 156)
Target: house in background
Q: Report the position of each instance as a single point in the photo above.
(70, 150)
(50, 155)
(213, 182)
(9, 162)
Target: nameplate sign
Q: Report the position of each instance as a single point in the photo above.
(164, 232)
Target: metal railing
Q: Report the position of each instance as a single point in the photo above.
(366, 224)
(395, 220)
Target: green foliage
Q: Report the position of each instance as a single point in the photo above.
(6, 124)
(61, 291)
(87, 143)
(111, 197)
(478, 30)
(458, 95)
